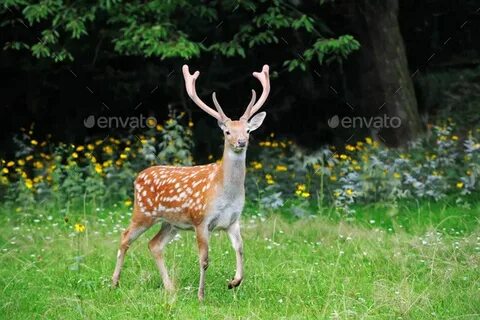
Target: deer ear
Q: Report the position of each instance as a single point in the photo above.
(256, 121)
(222, 125)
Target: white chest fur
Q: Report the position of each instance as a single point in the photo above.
(230, 198)
(226, 209)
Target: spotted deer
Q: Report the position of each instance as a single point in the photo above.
(201, 198)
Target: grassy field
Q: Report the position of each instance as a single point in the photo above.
(410, 262)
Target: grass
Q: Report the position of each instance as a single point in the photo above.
(412, 261)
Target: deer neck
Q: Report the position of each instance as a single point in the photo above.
(233, 166)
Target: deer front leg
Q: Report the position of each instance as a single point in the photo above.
(237, 243)
(202, 242)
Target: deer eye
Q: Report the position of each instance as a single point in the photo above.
(248, 130)
(227, 132)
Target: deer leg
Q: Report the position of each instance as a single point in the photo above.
(202, 242)
(157, 246)
(128, 237)
(237, 243)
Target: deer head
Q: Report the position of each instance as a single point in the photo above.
(236, 132)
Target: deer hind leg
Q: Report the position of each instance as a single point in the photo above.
(135, 229)
(157, 246)
(202, 242)
(237, 243)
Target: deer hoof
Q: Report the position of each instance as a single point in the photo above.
(234, 283)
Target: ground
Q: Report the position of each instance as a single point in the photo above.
(408, 262)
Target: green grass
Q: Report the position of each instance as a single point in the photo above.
(411, 262)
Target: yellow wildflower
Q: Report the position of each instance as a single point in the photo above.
(21, 162)
(80, 228)
(123, 156)
(454, 138)
(305, 194)
(151, 122)
(343, 156)
(333, 178)
(80, 148)
(34, 142)
(159, 127)
(74, 155)
(281, 168)
(257, 165)
(397, 175)
(349, 192)
(10, 164)
(190, 124)
(128, 203)
(90, 146)
(301, 187)
(369, 140)
(98, 168)
(459, 184)
(108, 149)
(30, 157)
(4, 170)
(350, 147)
(38, 165)
(29, 183)
(269, 178)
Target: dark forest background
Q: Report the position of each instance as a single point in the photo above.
(64, 61)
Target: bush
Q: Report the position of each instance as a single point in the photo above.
(440, 164)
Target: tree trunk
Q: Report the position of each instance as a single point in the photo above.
(384, 86)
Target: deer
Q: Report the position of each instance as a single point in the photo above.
(199, 198)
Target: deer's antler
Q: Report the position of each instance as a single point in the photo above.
(264, 78)
(192, 93)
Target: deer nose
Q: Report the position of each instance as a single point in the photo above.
(242, 142)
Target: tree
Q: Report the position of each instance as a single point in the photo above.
(168, 29)
(384, 84)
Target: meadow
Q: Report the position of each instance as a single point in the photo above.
(413, 260)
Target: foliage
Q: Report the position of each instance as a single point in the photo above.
(172, 29)
(99, 170)
(433, 167)
(440, 164)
